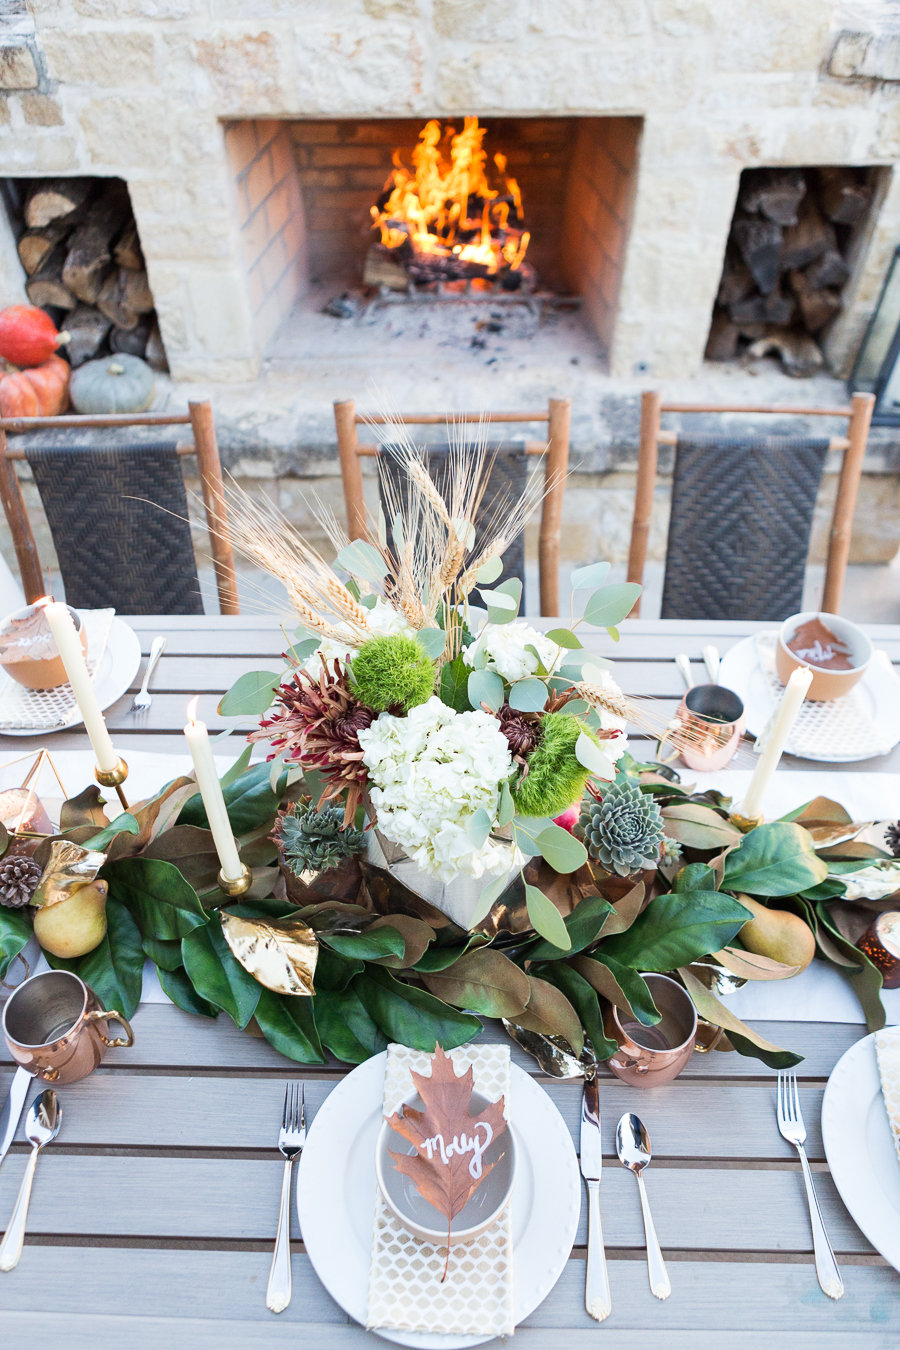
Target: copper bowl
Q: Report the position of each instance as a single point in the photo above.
(826, 684)
(46, 672)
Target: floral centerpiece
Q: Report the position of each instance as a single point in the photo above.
(450, 826)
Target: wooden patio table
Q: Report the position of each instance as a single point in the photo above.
(153, 1216)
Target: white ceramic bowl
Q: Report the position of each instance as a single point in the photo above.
(420, 1217)
(826, 684)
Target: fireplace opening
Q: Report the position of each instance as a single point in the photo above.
(509, 223)
(78, 243)
(794, 242)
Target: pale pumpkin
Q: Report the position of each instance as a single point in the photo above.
(28, 336)
(114, 384)
(42, 391)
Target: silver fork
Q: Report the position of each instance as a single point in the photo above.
(790, 1123)
(291, 1139)
(142, 699)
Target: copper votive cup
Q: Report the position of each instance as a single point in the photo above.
(713, 718)
(651, 1056)
(881, 944)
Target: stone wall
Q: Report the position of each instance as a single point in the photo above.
(142, 89)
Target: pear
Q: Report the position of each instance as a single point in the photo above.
(778, 934)
(75, 926)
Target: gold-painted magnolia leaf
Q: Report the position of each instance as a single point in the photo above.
(68, 868)
(279, 953)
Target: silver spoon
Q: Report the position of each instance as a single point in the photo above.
(43, 1121)
(633, 1148)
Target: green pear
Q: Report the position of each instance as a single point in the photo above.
(777, 934)
(75, 926)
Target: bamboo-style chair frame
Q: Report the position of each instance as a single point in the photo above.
(556, 448)
(859, 417)
(204, 445)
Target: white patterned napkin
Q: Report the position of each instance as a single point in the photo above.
(52, 709)
(839, 726)
(405, 1290)
(887, 1050)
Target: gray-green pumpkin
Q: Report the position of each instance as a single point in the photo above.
(114, 384)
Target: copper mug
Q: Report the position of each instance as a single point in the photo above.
(712, 724)
(651, 1056)
(54, 1026)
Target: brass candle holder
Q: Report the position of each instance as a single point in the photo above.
(744, 823)
(240, 886)
(114, 778)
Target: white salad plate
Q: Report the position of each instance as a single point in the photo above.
(336, 1191)
(860, 1148)
(878, 691)
(121, 662)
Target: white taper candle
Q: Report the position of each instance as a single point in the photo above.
(785, 717)
(197, 738)
(69, 643)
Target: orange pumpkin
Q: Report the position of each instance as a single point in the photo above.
(42, 391)
(28, 336)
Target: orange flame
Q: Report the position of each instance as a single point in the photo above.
(192, 709)
(430, 206)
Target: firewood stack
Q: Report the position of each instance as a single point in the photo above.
(786, 263)
(81, 250)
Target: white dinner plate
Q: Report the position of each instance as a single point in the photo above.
(336, 1196)
(860, 1148)
(121, 662)
(878, 689)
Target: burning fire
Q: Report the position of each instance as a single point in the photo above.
(448, 210)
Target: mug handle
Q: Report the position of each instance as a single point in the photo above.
(112, 1016)
(704, 1047)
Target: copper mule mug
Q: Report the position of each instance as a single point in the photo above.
(54, 1026)
(651, 1056)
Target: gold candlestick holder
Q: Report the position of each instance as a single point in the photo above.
(240, 886)
(744, 823)
(114, 778)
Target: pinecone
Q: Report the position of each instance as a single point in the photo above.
(892, 838)
(318, 726)
(19, 877)
(624, 831)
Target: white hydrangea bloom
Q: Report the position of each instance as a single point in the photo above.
(430, 772)
(383, 619)
(505, 646)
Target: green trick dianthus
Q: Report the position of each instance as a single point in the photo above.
(555, 778)
(392, 672)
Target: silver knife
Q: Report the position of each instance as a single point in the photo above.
(597, 1299)
(12, 1110)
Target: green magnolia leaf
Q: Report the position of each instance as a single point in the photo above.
(363, 560)
(439, 958)
(125, 823)
(485, 686)
(417, 938)
(550, 1013)
(250, 695)
(611, 604)
(192, 851)
(483, 981)
(584, 578)
(621, 985)
(85, 809)
(237, 768)
(249, 800)
(489, 571)
(15, 931)
(829, 889)
(432, 641)
(561, 849)
(695, 877)
(528, 695)
(478, 827)
(454, 685)
(176, 985)
(114, 969)
(564, 637)
(675, 930)
(334, 972)
(743, 1038)
(166, 954)
(583, 926)
(583, 999)
(588, 753)
(546, 919)
(345, 1028)
(217, 976)
(776, 859)
(698, 826)
(366, 946)
(289, 1025)
(866, 979)
(411, 1016)
(163, 904)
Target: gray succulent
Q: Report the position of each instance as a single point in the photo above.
(624, 831)
(314, 841)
